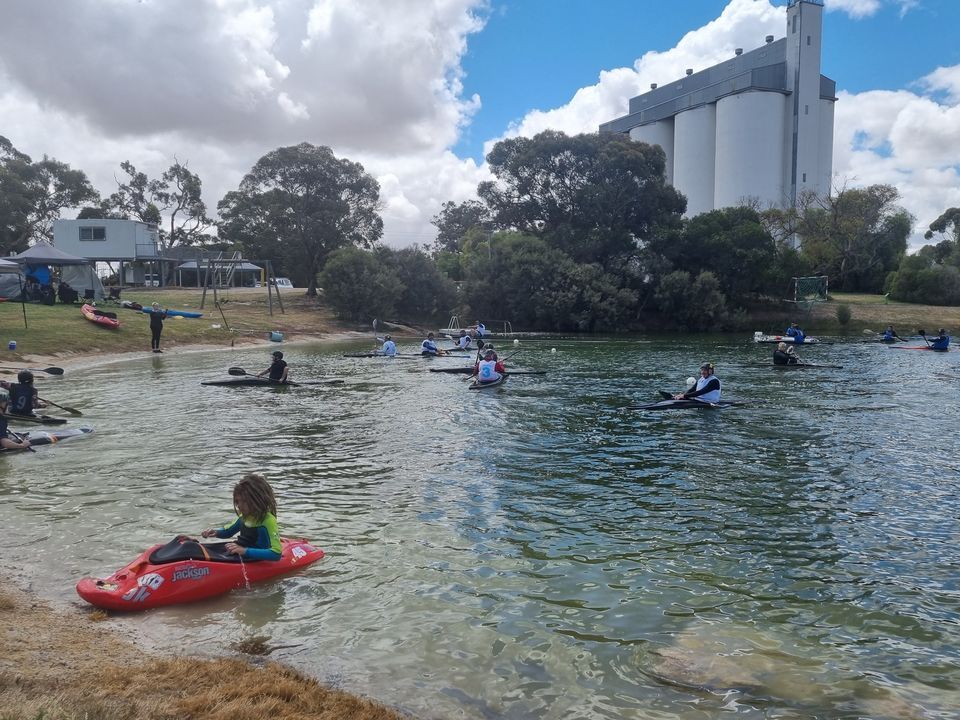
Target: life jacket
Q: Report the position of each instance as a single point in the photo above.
(487, 371)
(21, 399)
(712, 396)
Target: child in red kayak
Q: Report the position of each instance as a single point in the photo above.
(256, 521)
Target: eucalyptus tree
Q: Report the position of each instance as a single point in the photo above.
(34, 194)
(596, 197)
(300, 203)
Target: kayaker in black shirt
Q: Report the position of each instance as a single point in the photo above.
(785, 355)
(23, 395)
(278, 368)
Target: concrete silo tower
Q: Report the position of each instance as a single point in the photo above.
(755, 128)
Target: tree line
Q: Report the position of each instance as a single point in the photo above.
(574, 233)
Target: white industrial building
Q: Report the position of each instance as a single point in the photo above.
(757, 128)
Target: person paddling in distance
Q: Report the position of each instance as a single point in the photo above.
(796, 333)
(23, 395)
(157, 316)
(278, 368)
(256, 508)
(706, 388)
(389, 347)
(9, 441)
(890, 335)
(490, 369)
(429, 346)
(941, 343)
(785, 355)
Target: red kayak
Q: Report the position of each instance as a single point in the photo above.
(107, 319)
(185, 570)
(917, 347)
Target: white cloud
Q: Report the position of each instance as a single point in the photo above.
(219, 83)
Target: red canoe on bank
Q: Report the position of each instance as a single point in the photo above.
(185, 571)
(107, 319)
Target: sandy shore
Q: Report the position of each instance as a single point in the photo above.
(63, 665)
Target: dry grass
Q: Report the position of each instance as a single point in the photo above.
(61, 331)
(58, 667)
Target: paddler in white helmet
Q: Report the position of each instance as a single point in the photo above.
(706, 388)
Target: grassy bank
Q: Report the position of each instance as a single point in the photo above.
(875, 312)
(58, 666)
(243, 314)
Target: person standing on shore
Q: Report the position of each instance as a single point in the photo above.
(157, 316)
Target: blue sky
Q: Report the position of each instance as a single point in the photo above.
(417, 90)
(564, 45)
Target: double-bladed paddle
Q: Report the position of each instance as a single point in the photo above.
(70, 410)
(48, 371)
(241, 371)
(20, 438)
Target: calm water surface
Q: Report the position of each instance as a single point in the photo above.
(540, 551)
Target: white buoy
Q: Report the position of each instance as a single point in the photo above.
(516, 342)
(691, 380)
(553, 350)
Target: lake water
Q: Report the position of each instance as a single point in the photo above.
(540, 551)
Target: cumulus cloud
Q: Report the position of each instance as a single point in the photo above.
(218, 83)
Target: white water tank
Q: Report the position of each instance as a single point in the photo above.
(749, 156)
(694, 147)
(658, 133)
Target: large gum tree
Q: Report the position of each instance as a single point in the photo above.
(297, 205)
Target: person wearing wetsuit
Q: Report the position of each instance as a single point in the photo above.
(256, 521)
(428, 346)
(941, 343)
(278, 368)
(157, 316)
(785, 355)
(796, 333)
(706, 389)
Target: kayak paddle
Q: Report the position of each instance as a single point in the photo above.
(70, 410)
(241, 371)
(49, 370)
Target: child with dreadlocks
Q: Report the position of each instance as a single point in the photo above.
(256, 521)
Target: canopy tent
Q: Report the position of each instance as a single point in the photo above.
(43, 253)
(11, 280)
(83, 278)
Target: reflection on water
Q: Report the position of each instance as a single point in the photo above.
(540, 551)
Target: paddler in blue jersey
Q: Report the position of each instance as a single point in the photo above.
(941, 343)
(796, 333)
(890, 335)
(706, 388)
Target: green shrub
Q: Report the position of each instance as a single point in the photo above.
(843, 313)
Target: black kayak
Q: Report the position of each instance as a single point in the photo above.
(796, 366)
(684, 405)
(265, 382)
(469, 370)
(40, 437)
(35, 419)
(475, 385)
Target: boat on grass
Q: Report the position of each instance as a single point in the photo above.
(98, 317)
(185, 570)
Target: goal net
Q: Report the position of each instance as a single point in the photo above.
(810, 289)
